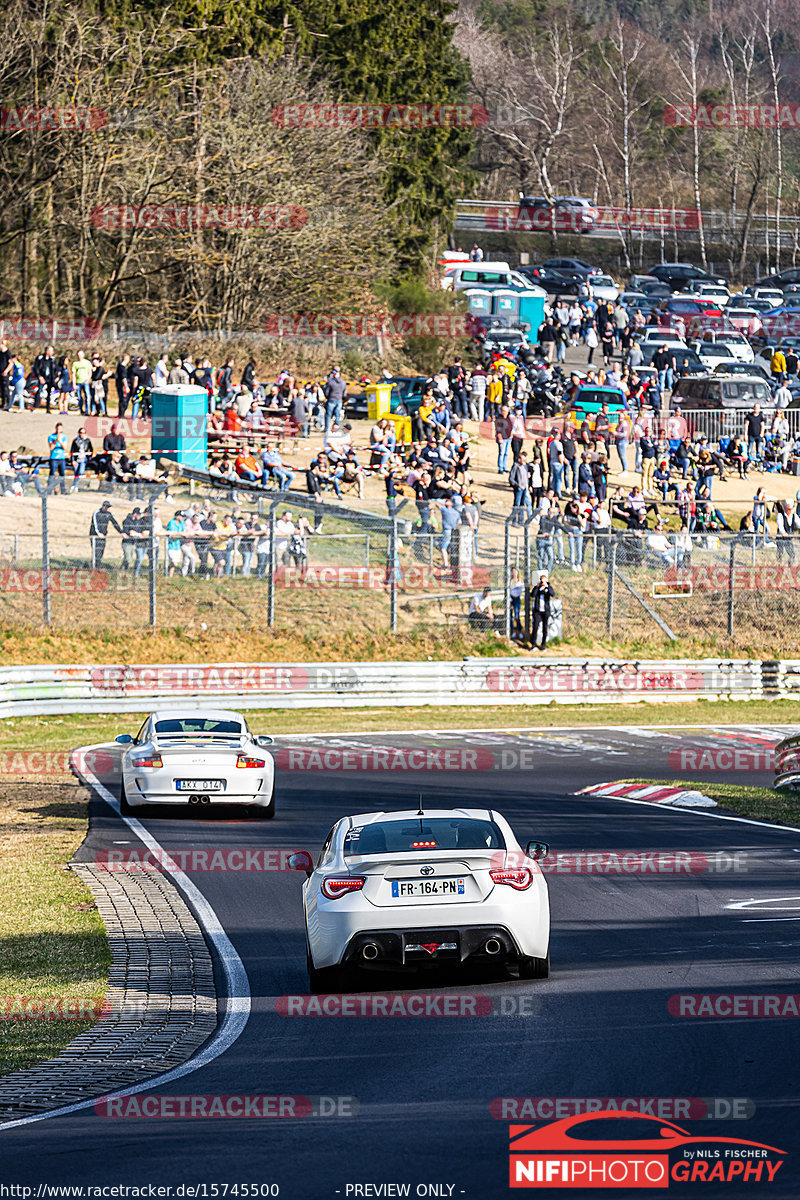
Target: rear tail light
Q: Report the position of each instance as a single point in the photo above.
(333, 887)
(243, 760)
(152, 760)
(517, 879)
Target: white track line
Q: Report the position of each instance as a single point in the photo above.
(237, 1003)
(694, 812)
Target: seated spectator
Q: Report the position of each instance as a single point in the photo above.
(348, 471)
(481, 613)
(663, 479)
(658, 545)
(274, 466)
(337, 441)
(118, 471)
(246, 465)
(231, 421)
(737, 454)
(254, 418)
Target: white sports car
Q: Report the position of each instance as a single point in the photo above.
(404, 890)
(190, 756)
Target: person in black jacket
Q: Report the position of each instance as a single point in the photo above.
(541, 595)
(98, 531)
(45, 369)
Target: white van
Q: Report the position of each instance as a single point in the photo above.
(487, 274)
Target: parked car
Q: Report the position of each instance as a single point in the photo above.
(739, 316)
(494, 274)
(656, 289)
(603, 288)
(577, 265)
(715, 292)
(731, 340)
(780, 279)
(587, 402)
(554, 282)
(678, 275)
(752, 370)
(733, 393)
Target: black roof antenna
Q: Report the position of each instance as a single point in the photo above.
(420, 813)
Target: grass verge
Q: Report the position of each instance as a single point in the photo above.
(53, 940)
(78, 729)
(760, 804)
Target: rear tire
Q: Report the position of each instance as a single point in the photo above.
(124, 806)
(534, 968)
(266, 814)
(323, 980)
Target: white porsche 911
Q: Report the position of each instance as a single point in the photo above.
(403, 890)
(191, 756)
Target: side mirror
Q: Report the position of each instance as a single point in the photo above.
(301, 861)
(537, 850)
(264, 739)
(124, 739)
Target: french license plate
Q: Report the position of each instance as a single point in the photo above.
(199, 785)
(426, 887)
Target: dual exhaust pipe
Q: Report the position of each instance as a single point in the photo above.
(199, 800)
(371, 950)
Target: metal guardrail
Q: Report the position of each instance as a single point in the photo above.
(472, 681)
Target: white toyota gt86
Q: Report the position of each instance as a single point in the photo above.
(196, 756)
(403, 890)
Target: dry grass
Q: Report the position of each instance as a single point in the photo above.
(53, 941)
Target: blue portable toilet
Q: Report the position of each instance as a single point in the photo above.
(480, 301)
(178, 428)
(505, 305)
(531, 307)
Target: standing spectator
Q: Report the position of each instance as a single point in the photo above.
(5, 376)
(99, 385)
(45, 369)
(131, 532)
(178, 375)
(754, 429)
(284, 528)
(502, 435)
(547, 340)
(648, 450)
(759, 516)
(519, 480)
(175, 526)
(98, 532)
(80, 451)
(555, 460)
(664, 363)
(569, 450)
(121, 383)
(16, 370)
(334, 392)
(64, 384)
(541, 597)
(477, 393)
(591, 340)
(777, 364)
(450, 518)
(515, 590)
(57, 450)
(457, 379)
(161, 373)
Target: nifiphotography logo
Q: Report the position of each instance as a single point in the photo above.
(614, 1149)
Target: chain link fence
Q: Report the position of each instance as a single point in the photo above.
(200, 561)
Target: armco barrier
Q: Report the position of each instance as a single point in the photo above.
(470, 681)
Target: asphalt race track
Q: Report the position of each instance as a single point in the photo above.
(622, 945)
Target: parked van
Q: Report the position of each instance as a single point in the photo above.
(497, 274)
(735, 392)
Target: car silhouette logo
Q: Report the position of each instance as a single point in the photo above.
(426, 870)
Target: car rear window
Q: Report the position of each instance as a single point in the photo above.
(192, 726)
(423, 833)
(744, 390)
